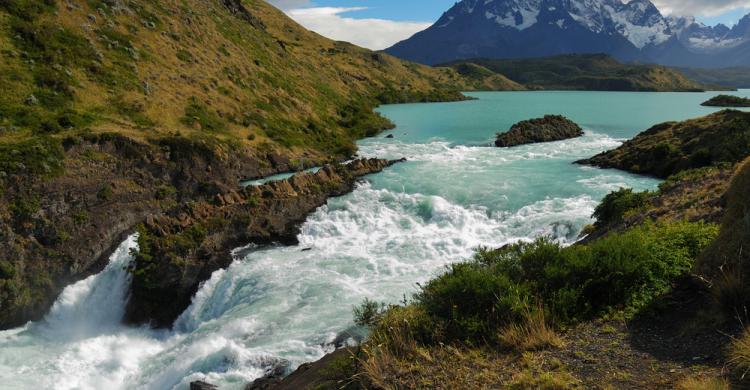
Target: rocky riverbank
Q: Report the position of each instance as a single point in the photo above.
(182, 248)
(673, 147)
(58, 228)
(547, 129)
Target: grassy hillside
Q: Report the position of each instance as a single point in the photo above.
(726, 77)
(672, 147)
(596, 72)
(225, 69)
(116, 111)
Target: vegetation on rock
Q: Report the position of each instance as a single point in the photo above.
(589, 72)
(547, 129)
(727, 101)
(673, 147)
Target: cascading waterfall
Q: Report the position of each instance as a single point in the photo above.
(283, 306)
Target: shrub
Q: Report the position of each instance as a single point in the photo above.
(615, 205)
(624, 271)
(368, 313)
(105, 193)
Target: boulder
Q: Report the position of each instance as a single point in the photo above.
(547, 129)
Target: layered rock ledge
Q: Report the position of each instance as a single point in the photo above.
(182, 248)
(547, 129)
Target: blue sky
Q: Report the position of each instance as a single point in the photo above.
(377, 24)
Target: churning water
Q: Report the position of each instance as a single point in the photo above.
(287, 305)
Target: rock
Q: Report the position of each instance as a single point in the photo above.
(389, 136)
(200, 385)
(273, 377)
(32, 100)
(547, 129)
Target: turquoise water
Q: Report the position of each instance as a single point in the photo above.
(287, 305)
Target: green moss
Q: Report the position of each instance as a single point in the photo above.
(23, 209)
(197, 113)
(184, 55)
(7, 270)
(39, 156)
(105, 193)
(164, 192)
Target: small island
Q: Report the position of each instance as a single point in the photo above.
(547, 129)
(727, 101)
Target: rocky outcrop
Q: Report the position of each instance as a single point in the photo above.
(61, 224)
(547, 129)
(182, 248)
(200, 385)
(673, 147)
(727, 101)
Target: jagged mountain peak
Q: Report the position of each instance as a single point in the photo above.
(628, 30)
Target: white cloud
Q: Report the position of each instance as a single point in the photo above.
(706, 8)
(375, 34)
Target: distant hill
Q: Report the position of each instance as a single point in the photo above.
(737, 77)
(594, 72)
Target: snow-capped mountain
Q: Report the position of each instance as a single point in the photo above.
(633, 30)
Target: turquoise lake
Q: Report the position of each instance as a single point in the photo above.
(289, 305)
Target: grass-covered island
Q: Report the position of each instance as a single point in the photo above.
(649, 300)
(727, 101)
(547, 129)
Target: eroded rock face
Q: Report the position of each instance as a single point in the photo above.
(547, 129)
(182, 248)
(59, 229)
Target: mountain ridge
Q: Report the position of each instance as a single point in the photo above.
(633, 31)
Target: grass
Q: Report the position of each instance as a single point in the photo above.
(533, 333)
(703, 383)
(739, 354)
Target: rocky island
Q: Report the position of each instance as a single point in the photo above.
(547, 129)
(727, 101)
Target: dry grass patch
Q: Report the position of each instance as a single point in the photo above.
(533, 334)
(739, 354)
(703, 383)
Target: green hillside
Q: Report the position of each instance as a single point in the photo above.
(591, 72)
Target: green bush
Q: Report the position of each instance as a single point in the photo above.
(616, 204)
(625, 271)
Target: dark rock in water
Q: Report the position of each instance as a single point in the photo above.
(306, 249)
(390, 136)
(547, 129)
(200, 385)
(273, 377)
(316, 375)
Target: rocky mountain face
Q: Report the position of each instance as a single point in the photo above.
(632, 31)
